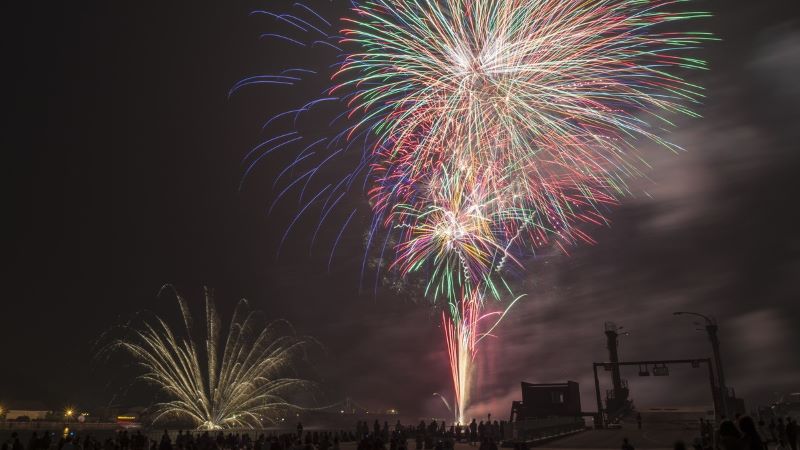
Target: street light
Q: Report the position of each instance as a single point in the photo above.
(711, 329)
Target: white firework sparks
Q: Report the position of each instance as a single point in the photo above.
(244, 386)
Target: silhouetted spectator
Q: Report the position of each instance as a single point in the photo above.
(166, 442)
(781, 429)
(772, 430)
(763, 433)
(705, 435)
(33, 442)
(729, 436)
(750, 438)
(626, 445)
(124, 441)
(299, 429)
(473, 432)
(791, 433)
(44, 442)
(639, 420)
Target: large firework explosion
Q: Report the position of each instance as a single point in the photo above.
(246, 385)
(490, 129)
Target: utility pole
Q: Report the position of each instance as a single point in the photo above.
(712, 328)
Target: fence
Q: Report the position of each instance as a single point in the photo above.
(536, 430)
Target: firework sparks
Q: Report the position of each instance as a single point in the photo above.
(501, 124)
(243, 386)
(491, 129)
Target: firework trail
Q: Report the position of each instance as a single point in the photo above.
(243, 386)
(490, 129)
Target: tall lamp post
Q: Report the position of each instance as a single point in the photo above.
(711, 329)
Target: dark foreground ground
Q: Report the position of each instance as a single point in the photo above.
(651, 437)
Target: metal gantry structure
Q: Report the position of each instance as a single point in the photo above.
(617, 402)
(662, 363)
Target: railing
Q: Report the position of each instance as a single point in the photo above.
(35, 425)
(537, 430)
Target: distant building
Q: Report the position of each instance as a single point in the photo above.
(30, 410)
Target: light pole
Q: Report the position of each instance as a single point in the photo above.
(711, 329)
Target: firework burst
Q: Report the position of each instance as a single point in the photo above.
(243, 386)
(491, 129)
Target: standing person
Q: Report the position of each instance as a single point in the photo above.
(299, 429)
(639, 420)
(750, 438)
(704, 438)
(772, 426)
(33, 443)
(166, 442)
(67, 443)
(729, 436)
(710, 434)
(473, 432)
(791, 433)
(16, 444)
(626, 445)
(44, 442)
(763, 433)
(780, 428)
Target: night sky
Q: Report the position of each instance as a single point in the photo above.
(124, 175)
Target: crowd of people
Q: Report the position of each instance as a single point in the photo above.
(432, 436)
(123, 440)
(376, 436)
(741, 433)
(744, 433)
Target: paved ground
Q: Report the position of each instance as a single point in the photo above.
(608, 439)
(651, 439)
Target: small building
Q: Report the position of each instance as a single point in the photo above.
(547, 400)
